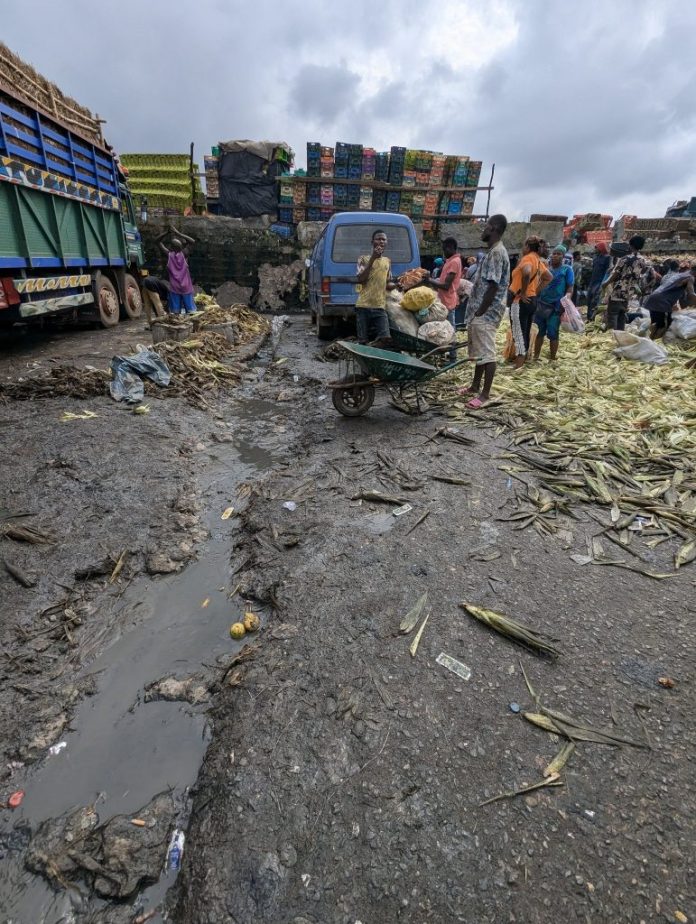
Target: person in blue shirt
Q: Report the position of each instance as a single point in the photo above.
(549, 308)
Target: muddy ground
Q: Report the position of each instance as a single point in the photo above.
(328, 776)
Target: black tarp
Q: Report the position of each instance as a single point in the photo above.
(247, 174)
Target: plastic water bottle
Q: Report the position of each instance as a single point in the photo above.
(176, 849)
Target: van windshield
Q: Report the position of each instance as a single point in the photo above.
(352, 241)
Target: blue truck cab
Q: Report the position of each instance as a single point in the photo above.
(332, 265)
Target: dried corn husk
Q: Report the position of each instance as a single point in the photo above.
(523, 635)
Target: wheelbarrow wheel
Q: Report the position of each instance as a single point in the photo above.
(353, 401)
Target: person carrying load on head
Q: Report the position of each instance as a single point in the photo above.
(180, 284)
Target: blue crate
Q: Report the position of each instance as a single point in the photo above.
(340, 172)
(285, 214)
(282, 229)
(313, 214)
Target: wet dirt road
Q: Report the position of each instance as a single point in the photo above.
(342, 778)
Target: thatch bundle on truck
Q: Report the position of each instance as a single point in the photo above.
(20, 79)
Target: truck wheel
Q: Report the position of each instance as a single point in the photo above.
(107, 303)
(133, 305)
(326, 330)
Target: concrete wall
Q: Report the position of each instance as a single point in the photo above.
(227, 249)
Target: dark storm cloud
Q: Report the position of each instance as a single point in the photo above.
(585, 106)
(322, 93)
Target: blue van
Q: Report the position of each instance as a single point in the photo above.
(332, 265)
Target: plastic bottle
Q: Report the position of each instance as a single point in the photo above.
(176, 849)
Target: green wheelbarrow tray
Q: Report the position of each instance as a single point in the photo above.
(391, 368)
(418, 346)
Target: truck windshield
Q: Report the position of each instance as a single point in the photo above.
(352, 241)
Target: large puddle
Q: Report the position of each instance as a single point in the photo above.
(122, 751)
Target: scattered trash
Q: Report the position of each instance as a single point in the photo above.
(227, 513)
(400, 511)
(176, 849)
(680, 917)
(512, 630)
(290, 505)
(666, 682)
(457, 667)
(559, 724)
(409, 621)
(142, 409)
(118, 567)
(296, 378)
(16, 799)
(237, 630)
(26, 580)
(27, 534)
(560, 760)
(451, 479)
(416, 641)
(128, 373)
(138, 822)
(514, 707)
(306, 879)
(60, 382)
(205, 603)
(378, 497)
(84, 415)
(57, 748)
(551, 781)
(252, 622)
(144, 918)
(418, 522)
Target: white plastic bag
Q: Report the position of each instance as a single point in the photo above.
(684, 324)
(571, 319)
(441, 333)
(630, 346)
(401, 319)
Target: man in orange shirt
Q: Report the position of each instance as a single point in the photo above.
(529, 276)
(447, 284)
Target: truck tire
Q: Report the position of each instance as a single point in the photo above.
(133, 304)
(326, 330)
(107, 303)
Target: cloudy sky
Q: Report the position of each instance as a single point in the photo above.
(582, 106)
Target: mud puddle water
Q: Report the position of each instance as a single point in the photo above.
(122, 751)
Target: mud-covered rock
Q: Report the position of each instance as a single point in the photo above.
(190, 690)
(115, 859)
(230, 293)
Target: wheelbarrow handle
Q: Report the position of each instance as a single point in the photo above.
(451, 348)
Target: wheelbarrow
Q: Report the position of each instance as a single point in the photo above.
(407, 343)
(367, 368)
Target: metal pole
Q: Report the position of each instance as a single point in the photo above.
(490, 187)
(193, 181)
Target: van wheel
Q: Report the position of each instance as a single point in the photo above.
(326, 330)
(133, 305)
(107, 303)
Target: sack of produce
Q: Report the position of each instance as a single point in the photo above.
(418, 298)
(440, 333)
(402, 320)
(630, 346)
(411, 278)
(437, 311)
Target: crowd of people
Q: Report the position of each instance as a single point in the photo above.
(543, 286)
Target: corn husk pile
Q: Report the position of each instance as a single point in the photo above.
(248, 323)
(60, 382)
(596, 430)
(198, 365)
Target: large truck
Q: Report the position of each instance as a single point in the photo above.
(69, 243)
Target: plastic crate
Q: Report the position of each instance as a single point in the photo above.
(340, 172)
(313, 193)
(379, 200)
(285, 214)
(283, 230)
(313, 215)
